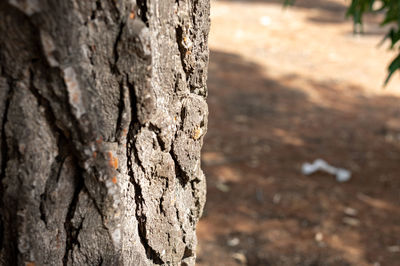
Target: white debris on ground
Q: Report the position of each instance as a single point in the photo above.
(233, 242)
(342, 175)
(265, 21)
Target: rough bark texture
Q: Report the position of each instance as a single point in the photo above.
(103, 113)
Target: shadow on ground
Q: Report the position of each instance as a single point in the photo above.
(261, 210)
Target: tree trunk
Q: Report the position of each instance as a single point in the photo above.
(103, 113)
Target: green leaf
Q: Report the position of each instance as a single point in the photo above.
(395, 65)
(288, 2)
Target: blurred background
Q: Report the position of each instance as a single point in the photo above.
(288, 86)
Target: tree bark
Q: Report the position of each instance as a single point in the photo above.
(102, 115)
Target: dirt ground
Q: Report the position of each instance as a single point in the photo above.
(288, 87)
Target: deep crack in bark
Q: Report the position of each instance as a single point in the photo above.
(180, 174)
(4, 158)
(65, 146)
(121, 108)
(132, 157)
(113, 65)
(182, 49)
(142, 5)
(72, 232)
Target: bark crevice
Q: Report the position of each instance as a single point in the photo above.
(157, 131)
(134, 127)
(121, 109)
(94, 11)
(182, 176)
(54, 177)
(140, 217)
(48, 111)
(72, 232)
(4, 156)
(132, 157)
(114, 68)
(142, 12)
(180, 41)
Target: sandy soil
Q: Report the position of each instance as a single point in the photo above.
(288, 87)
